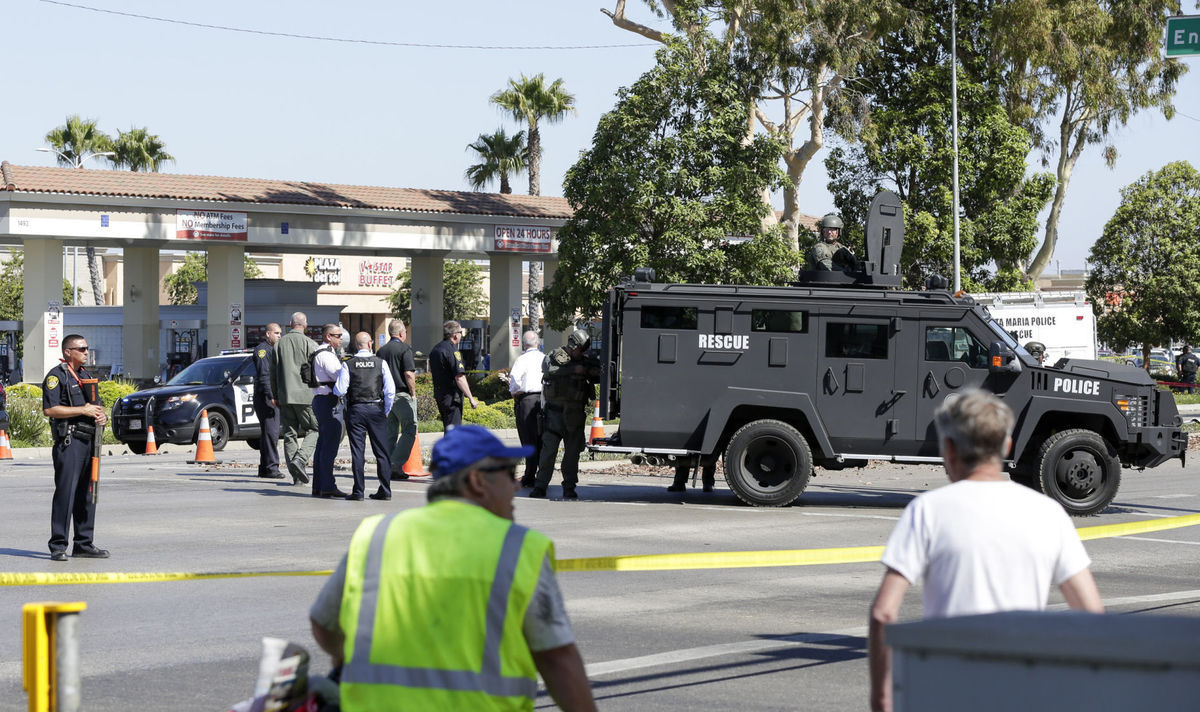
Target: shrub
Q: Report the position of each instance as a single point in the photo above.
(488, 417)
(506, 407)
(490, 388)
(26, 421)
(25, 390)
(112, 391)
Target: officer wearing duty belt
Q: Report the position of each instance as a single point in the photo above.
(567, 379)
(366, 383)
(72, 402)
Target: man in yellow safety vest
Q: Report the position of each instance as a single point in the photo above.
(452, 606)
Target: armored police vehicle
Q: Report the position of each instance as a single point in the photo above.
(844, 367)
(223, 385)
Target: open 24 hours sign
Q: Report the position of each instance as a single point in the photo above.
(210, 225)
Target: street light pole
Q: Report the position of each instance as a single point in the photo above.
(76, 161)
(954, 121)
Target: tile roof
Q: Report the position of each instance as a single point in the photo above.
(41, 179)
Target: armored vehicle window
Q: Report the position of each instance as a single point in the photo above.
(856, 340)
(944, 343)
(783, 320)
(655, 317)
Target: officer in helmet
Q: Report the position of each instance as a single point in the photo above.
(1037, 350)
(567, 387)
(829, 254)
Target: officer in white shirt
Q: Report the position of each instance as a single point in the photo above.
(365, 381)
(981, 544)
(326, 366)
(525, 385)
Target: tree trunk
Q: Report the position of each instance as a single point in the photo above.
(1067, 157)
(535, 286)
(505, 188)
(94, 269)
(535, 160)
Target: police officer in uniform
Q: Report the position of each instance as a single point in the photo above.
(267, 414)
(75, 412)
(1037, 350)
(1187, 365)
(828, 254)
(366, 383)
(567, 388)
(450, 376)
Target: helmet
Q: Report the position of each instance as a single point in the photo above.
(831, 220)
(579, 338)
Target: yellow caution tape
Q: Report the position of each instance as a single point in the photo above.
(8, 578)
(641, 562)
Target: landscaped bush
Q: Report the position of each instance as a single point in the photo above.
(506, 407)
(25, 390)
(28, 426)
(488, 417)
(489, 388)
(112, 391)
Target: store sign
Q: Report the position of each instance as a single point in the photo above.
(210, 225)
(376, 273)
(514, 238)
(324, 270)
(54, 325)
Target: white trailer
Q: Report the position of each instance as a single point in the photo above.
(1060, 319)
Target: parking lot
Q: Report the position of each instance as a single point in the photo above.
(741, 638)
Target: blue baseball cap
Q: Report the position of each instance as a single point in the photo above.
(464, 445)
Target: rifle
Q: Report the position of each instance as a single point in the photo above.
(93, 385)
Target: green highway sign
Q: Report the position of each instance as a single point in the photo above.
(1183, 35)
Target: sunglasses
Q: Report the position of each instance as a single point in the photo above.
(510, 468)
(77, 348)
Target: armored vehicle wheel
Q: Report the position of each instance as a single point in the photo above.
(768, 463)
(1078, 469)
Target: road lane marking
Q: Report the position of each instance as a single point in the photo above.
(1161, 541)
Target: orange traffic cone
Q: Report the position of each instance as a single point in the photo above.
(204, 450)
(5, 446)
(151, 446)
(414, 467)
(597, 426)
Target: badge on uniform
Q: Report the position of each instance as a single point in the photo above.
(458, 355)
(262, 353)
(51, 383)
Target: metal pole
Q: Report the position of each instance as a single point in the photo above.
(75, 274)
(954, 121)
(66, 664)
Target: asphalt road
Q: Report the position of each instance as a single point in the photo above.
(748, 639)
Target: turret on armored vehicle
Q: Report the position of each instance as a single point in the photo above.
(841, 368)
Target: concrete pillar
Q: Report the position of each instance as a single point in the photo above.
(505, 299)
(226, 287)
(140, 313)
(552, 339)
(428, 306)
(43, 285)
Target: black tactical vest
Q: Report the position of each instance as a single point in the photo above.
(366, 379)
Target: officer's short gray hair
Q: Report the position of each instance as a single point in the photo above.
(451, 328)
(530, 339)
(978, 423)
(395, 327)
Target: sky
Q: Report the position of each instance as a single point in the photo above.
(251, 105)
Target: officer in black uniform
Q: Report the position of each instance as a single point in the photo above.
(72, 402)
(367, 385)
(267, 414)
(567, 386)
(449, 376)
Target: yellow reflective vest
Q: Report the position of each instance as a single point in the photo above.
(433, 609)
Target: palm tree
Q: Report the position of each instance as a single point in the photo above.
(73, 143)
(531, 100)
(139, 150)
(500, 155)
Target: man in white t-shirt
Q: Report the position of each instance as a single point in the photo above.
(981, 544)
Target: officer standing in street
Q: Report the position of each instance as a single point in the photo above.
(366, 384)
(525, 385)
(325, 366)
(450, 376)
(402, 417)
(1187, 365)
(567, 387)
(75, 414)
(829, 254)
(294, 398)
(267, 414)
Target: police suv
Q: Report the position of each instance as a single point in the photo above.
(223, 385)
(845, 367)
